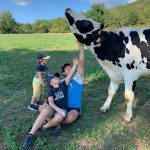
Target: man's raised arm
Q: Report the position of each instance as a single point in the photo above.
(80, 68)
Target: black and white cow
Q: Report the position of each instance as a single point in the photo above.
(124, 55)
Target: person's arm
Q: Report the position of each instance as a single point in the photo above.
(51, 103)
(72, 71)
(48, 73)
(56, 108)
(80, 68)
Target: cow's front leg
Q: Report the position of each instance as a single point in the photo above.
(111, 92)
(129, 97)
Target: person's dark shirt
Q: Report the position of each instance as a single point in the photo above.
(60, 95)
(42, 69)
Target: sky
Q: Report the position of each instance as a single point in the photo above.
(27, 11)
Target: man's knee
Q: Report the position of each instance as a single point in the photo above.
(40, 108)
(46, 110)
(71, 117)
(69, 120)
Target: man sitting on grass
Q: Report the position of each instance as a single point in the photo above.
(56, 104)
(75, 90)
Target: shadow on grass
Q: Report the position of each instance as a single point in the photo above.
(93, 130)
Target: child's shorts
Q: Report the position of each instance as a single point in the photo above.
(38, 90)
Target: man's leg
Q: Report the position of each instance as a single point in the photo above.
(41, 118)
(30, 138)
(71, 117)
(41, 107)
(57, 119)
(55, 122)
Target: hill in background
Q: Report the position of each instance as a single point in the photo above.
(134, 14)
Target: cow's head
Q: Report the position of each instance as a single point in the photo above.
(85, 29)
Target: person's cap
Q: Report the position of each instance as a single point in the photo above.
(63, 67)
(42, 56)
(53, 76)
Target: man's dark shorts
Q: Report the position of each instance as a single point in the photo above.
(76, 109)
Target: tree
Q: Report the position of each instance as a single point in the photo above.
(7, 23)
(133, 18)
(96, 12)
(59, 25)
(26, 28)
(41, 26)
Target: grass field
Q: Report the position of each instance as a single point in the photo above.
(94, 130)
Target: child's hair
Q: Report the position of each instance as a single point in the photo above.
(40, 61)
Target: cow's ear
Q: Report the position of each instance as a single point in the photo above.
(101, 26)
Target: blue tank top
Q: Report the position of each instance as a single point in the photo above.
(75, 94)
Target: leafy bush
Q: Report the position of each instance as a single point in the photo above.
(133, 18)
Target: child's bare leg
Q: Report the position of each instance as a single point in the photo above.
(36, 92)
(33, 100)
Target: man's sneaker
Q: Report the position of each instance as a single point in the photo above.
(58, 130)
(29, 140)
(40, 128)
(39, 102)
(33, 107)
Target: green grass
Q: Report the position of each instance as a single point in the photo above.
(93, 130)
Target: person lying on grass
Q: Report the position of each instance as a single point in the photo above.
(56, 105)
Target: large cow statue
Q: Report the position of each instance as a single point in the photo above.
(124, 54)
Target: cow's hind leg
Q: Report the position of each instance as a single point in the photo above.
(111, 92)
(129, 97)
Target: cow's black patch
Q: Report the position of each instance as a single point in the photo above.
(86, 41)
(126, 39)
(95, 36)
(89, 37)
(70, 18)
(127, 51)
(112, 47)
(144, 47)
(128, 66)
(147, 36)
(133, 86)
(79, 38)
(131, 65)
(84, 26)
(121, 34)
(119, 64)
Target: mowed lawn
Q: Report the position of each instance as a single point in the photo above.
(94, 130)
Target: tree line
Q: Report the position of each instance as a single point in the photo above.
(132, 15)
(9, 25)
